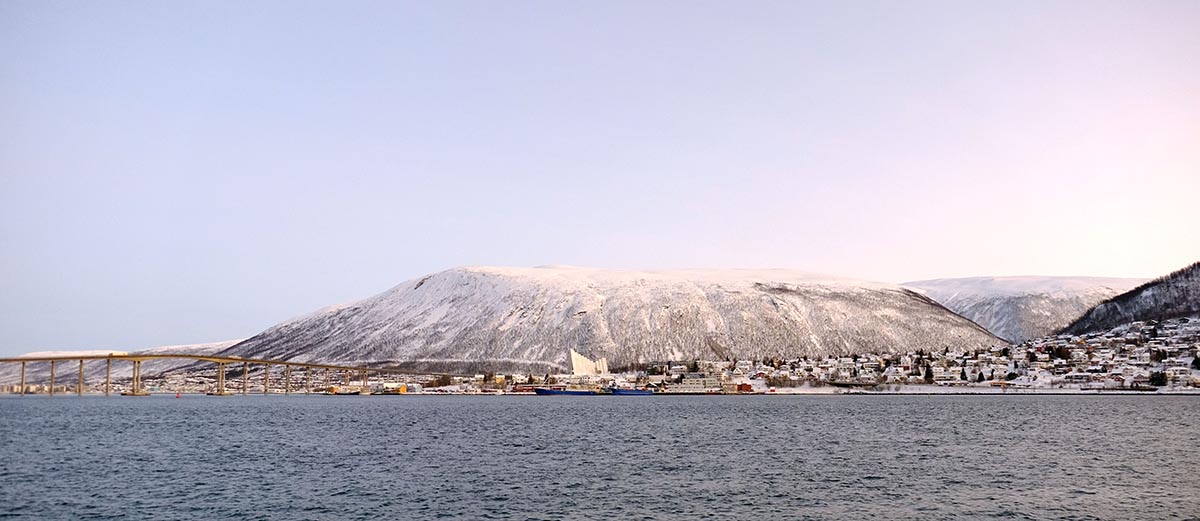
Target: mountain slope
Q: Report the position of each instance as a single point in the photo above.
(480, 318)
(1020, 308)
(1174, 295)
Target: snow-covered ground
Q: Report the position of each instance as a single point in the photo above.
(1020, 308)
(528, 318)
(86, 352)
(1175, 295)
(946, 390)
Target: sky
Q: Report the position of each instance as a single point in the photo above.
(183, 172)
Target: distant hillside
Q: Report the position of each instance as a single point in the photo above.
(93, 371)
(1019, 308)
(519, 319)
(1174, 295)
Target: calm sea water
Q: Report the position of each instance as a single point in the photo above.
(668, 457)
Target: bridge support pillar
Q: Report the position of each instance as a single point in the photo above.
(22, 378)
(245, 377)
(221, 379)
(52, 362)
(137, 377)
(287, 379)
(326, 379)
(107, 376)
(266, 378)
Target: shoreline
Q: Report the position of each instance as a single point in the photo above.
(917, 391)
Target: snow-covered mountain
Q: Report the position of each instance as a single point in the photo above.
(481, 318)
(1020, 308)
(1174, 295)
(93, 371)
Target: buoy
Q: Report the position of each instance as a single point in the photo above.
(177, 394)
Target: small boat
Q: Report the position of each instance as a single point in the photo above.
(617, 391)
(547, 391)
(1142, 387)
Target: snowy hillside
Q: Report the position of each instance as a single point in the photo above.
(481, 318)
(1174, 295)
(1020, 308)
(93, 371)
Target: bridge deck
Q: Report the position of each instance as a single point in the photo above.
(211, 358)
(221, 361)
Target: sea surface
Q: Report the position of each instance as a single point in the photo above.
(564, 457)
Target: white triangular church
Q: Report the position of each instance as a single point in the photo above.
(584, 366)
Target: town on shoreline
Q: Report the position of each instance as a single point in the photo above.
(1142, 357)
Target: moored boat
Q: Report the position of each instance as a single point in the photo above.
(547, 391)
(617, 391)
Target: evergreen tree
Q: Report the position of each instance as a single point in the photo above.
(928, 374)
(979, 377)
(1158, 379)
(962, 375)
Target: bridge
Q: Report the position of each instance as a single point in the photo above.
(136, 388)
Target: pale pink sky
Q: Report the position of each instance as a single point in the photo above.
(191, 172)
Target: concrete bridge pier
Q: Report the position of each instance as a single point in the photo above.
(327, 379)
(245, 377)
(108, 377)
(266, 378)
(22, 378)
(52, 362)
(287, 379)
(79, 386)
(221, 379)
(137, 381)
(307, 380)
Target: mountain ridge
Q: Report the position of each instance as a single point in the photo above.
(1017, 308)
(501, 318)
(1174, 295)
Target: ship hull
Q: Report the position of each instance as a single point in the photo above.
(631, 392)
(542, 391)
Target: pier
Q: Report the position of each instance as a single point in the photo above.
(350, 373)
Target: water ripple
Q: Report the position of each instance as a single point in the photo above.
(814, 457)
